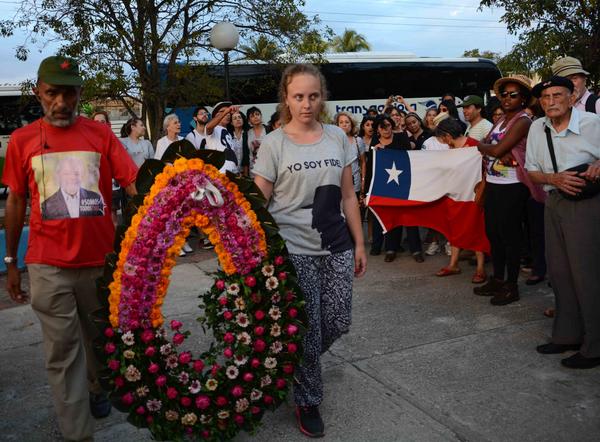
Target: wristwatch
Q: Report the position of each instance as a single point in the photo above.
(9, 259)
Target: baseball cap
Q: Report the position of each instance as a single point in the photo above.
(550, 82)
(472, 99)
(61, 71)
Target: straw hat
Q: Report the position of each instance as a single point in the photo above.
(518, 79)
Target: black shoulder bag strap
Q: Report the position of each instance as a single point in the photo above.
(551, 148)
(590, 103)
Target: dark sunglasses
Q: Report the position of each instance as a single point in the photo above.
(509, 94)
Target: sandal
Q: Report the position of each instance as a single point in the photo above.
(447, 271)
(479, 278)
(549, 312)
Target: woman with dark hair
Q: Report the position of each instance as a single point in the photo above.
(274, 121)
(238, 129)
(137, 147)
(398, 117)
(449, 132)
(101, 117)
(494, 110)
(450, 107)
(418, 132)
(431, 113)
(365, 130)
(507, 188)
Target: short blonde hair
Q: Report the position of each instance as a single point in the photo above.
(286, 78)
(337, 117)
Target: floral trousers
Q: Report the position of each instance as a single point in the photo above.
(326, 282)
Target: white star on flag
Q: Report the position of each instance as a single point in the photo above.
(393, 174)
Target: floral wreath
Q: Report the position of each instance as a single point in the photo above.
(254, 307)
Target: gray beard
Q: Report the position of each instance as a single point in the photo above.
(56, 122)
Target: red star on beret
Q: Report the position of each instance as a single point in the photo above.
(65, 65)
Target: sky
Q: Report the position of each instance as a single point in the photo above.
(427, 28)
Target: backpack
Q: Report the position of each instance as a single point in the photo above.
(590, 103)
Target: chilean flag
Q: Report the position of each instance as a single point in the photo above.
(430, 189)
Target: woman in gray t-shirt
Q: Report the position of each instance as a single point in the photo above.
(304, 171)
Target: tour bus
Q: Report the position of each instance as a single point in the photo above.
(16, 110)
(356, 81)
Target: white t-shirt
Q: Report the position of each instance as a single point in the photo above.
(307, 195)
(496, 172)
(432, 143)
(162, 145)
(480, 130)
(220, 140)
(196, 139)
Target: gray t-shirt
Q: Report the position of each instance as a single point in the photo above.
(306, 200)
(140, 151)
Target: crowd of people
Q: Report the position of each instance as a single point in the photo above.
(541, 199)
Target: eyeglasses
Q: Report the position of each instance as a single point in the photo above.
(509, 94)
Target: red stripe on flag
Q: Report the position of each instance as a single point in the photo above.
(461, 222)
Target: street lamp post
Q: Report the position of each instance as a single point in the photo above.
(224, 36)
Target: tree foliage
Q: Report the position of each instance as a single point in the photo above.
(350, 41)
(550, 29)
(144, 49)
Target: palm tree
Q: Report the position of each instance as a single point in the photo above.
(350, 41)
(260, 49)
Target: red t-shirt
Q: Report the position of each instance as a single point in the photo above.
(471, 142)
(68, 173)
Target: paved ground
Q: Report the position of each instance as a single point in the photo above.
(426, 360)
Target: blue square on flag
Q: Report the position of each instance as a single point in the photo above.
(391, 175)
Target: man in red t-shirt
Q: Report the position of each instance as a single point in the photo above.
(66, 164)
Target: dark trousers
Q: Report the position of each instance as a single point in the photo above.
(535, 220)
(504, 204)
(573, 256)
(392, 238)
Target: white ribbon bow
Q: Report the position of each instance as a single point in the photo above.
(210, 192)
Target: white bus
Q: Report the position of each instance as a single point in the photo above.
(359, 80)
(16, 110)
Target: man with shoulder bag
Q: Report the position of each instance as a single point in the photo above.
(563, 154)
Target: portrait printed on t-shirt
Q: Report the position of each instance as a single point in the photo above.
(68, 184)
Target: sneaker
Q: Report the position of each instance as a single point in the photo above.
(507, 294)
(99, 405)
(490, 288)
(182, 253)
(432, 249)
(309, 421)
(206, 244)
(187, 248)
(448, 249)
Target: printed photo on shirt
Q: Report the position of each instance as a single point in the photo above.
(68, 184)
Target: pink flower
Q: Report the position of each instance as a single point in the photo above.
(255, 363)
(119, 381)
(220, 284)
(288, 368)
(292, 347)
(289, 296)
(172, 393)
(205, 434)
(279, 260)
(259, 345)
(237, 391)
(185, 357)
(198, 365)
(268, 400)
(161, 381)
(147, 335)
(292, 312)
(150, 351)
(109, 332)
(239, 419)
(109, 348)
(127, 398)
(223, 300)
(254, 409)
(259, 315)
(185, 401)
(291, 329)
(214, 369)
(282, 276)
(178, 338)
(140, 410)
(113, 364)
(227, 315)
(221, 401)
(255, 297)
(176, 325)
(228, 353)
(202, 402)
(280, 383)
(259, 330)
(149, 419)
(250, 281)
(248, 377)
(229, 338)
(153, 368)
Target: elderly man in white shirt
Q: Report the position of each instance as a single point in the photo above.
(572, 233)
